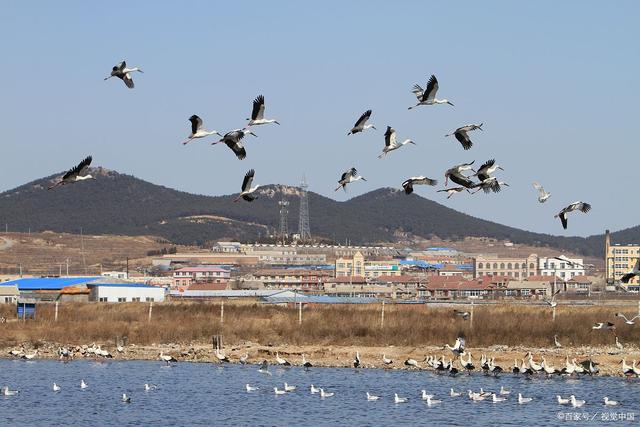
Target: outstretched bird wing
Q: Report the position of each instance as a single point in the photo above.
(196, 123)
(563, 219)
(463, 138)
(418, 92)
(237, 148)
(79, 169)
(461, 180)
(432, 88)
(482, 172)
(408, 186)
(128, 80)
(363, 118)
(390, 137)
(248, 179)
(258, 108)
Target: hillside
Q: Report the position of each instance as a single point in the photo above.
(121, 204)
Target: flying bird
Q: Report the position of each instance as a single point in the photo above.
(360, 124)
(462, 136)
(197, 131)
(232, 140)
(417, 180)
(390, 143)
(257, 114)
(464, 314)
(247, 190)
(575, 206)
(490, 184)
(453, 190)
(121, 71)
(347, 177)
(543, 196)
(628, 321)
(633, 273)
(428, 96)
(601, 325)
(75, 174)
(455, 174)
(487, 169)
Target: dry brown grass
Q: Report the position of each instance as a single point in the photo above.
(322, 325)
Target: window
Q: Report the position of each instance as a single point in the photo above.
(532, 266)
(135, 299)
(495, 265)
(502, 266)
(479, 265)
(102, 299)
(149, 299)
(509, 266)
(122, 299)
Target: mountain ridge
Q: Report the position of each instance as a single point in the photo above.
(117, 203)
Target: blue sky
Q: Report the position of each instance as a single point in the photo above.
(555, 84)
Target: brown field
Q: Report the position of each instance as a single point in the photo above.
(46, 253)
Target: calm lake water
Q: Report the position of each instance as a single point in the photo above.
(204, 394)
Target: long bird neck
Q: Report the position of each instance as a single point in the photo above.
(82, 178)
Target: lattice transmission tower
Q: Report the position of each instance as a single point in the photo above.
(303, 221)
(284, 225)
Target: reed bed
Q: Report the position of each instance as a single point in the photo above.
(341, 325)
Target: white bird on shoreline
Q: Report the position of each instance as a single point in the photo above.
(30, 356)
(361, 125)
(390, 142)
(386, 360)
(121, 71)
(462, 136)
(166, 358)
(257, 113)
(305, 363)
(281, 361)
(197, 131)
(244, 358)
(556, 342)
(428, 95)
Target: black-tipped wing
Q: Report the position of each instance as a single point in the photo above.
(408, 186)
(128, 80)
(119, 66)
(627, 277)
(463, 138)
(563, 219)
(418, 92)
(363, 119)
(390, 137)
(249, 197)
(237, 148)
(461, 180)
(196, 123)
(248, 179)
(584, 207)
(431, 89)
(258, 108)
(482, 172)
(78, 170)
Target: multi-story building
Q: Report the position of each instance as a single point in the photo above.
(511, 267)
(358, 266)
(563, 267)
(211, 274)
(619, 260)
(292, 279)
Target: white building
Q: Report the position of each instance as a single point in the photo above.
(125, 292)
(122, 275)
(565, 268)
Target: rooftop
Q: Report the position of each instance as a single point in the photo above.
(48, 283)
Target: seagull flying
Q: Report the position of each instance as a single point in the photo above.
(257, 114)
(75, 174)
(428, 95)
(543, 196)
(575, 206)
(361, 125)
(121, 71)
(417, 180)
(628, 321)
(462, 136)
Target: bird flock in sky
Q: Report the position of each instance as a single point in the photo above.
(463, 175)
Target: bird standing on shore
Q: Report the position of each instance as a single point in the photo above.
(281, 361)
(197, 131)
(556, 342)
(428, 95)
(166, 358)
(462, 135)
(257, 113)
(361, 123)
(305, 363)
(356, 360)
(121, 71)
(75, 175)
